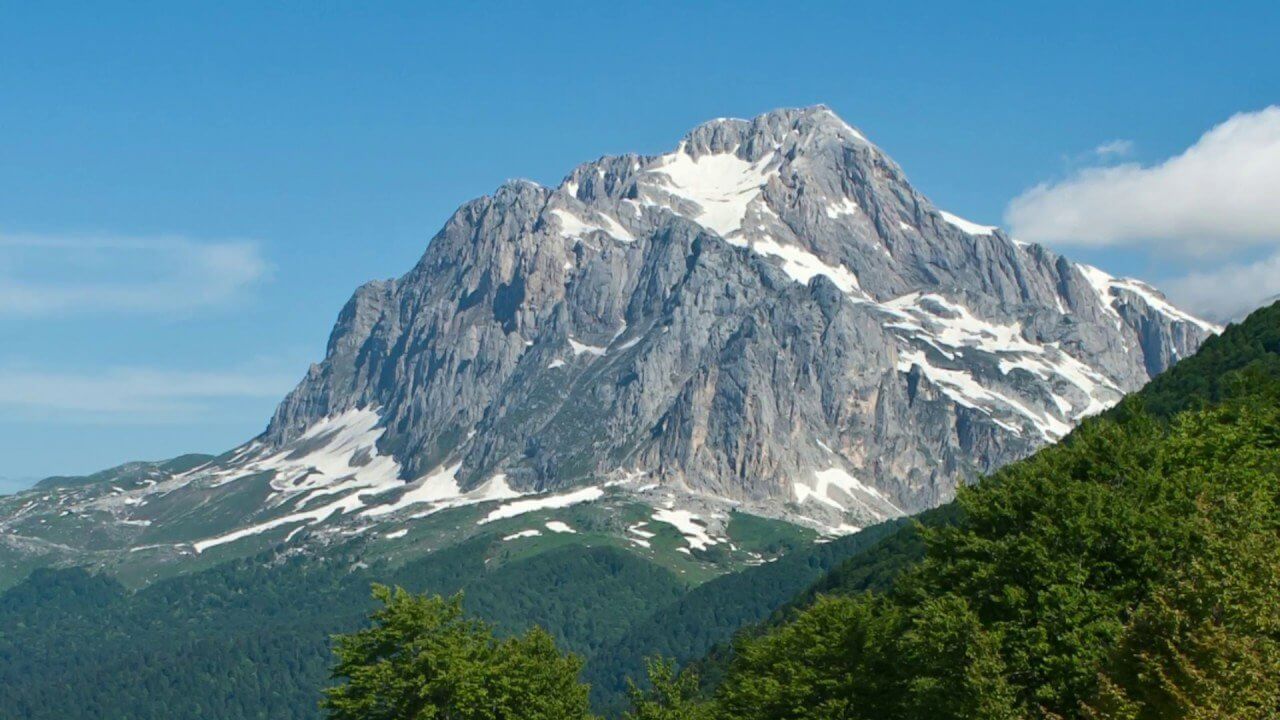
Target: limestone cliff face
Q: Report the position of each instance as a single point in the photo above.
(768, 314)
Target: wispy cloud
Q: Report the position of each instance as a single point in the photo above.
(1114, 149)
(1227, 292)
(1215, 198)
(131, 394)
(44, 275)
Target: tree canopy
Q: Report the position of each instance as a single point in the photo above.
(1129, 573)
(422, 659)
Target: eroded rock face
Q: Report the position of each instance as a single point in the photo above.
(769, 314)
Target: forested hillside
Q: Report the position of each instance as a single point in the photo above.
(251, 638)
(711, 613)
(1128, 572)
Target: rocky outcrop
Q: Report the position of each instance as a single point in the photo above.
(769, 314)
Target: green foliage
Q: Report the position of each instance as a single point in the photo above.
(422, 660)
(713, 612)
(1129, 573)
(826, 663)
(671, 695)
(588, 597)
(1242, 362)
(245, 640)
(767, 536)
(250, 639)
(896, 546)
(1206, 643)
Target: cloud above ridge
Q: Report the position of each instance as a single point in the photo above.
(1227, 292)
(1216, 197)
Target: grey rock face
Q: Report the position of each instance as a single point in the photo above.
(770, 314)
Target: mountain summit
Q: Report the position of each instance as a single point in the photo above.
(769, 317)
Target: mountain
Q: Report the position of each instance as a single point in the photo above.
(769, 319)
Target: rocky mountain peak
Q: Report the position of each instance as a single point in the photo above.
(727, 240)
(769, 317)
(791, 130)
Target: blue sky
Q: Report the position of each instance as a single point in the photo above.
(188, 195)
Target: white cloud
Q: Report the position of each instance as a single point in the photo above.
(1114, 149)
(1216, 197)
(50, 275)
(131, 394)
(1228, 292)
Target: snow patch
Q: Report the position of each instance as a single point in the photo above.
(629, 344)
(1153, 300)
(962, 388)
(439, 489)
(638, 529)
(1101, 284)
(436, 487)
(967, 226)
(1100, 390)
(550, 502)
(840, 479)
(557, 526)
(847, 127)
(801, 265)
(842, 208)
(689, 525)
(574, 226)
(954, 325)
(952, 329)
(580, 348)
(721, 185)
(336, 454)
(1106, 285)
(346, 504)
